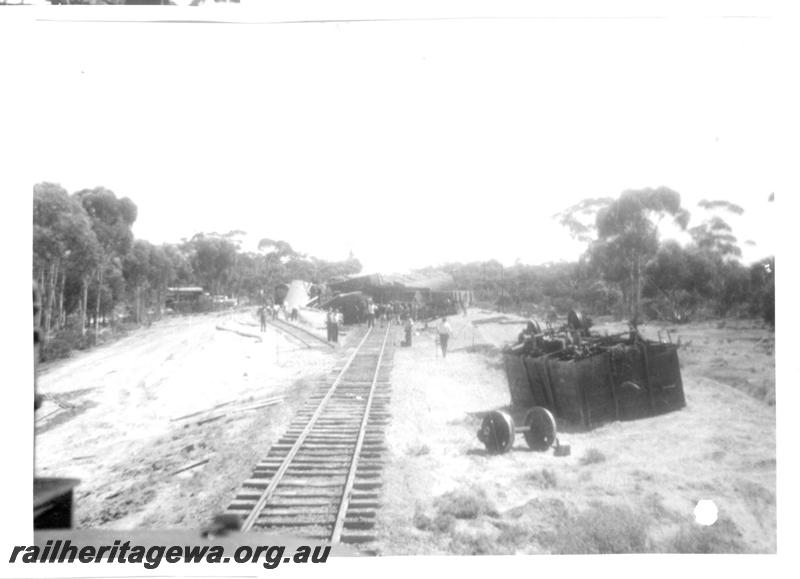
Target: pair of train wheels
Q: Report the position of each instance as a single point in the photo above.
(498, 430)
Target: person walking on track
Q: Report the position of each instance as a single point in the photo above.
(445, 331)
(371, 314)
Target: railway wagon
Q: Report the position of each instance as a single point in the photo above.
(281, 291)
(625, 380)
(187, 300)
(352, 305)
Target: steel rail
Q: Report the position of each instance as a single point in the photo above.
(336, 535)
(283, 326)
(276, 479)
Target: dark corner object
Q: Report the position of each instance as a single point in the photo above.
(52, 497)
(52, 502)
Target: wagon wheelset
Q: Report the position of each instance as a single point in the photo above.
(498, 430)
(540, 429)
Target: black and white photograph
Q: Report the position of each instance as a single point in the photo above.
(405, 279)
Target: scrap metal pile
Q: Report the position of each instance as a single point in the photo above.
(571, 341)
(587, 378)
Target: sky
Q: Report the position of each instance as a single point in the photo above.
(414, 143)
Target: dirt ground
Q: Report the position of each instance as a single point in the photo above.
(444, 494)
(126, 417)
(116, 418)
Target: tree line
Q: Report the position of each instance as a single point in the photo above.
(91, 270)
(627, 270)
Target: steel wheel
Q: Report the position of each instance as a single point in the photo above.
(541, 431)
(497, 432)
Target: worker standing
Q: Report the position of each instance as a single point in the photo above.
(262, 315)
(329, 324)
(336, 320)
(371, 314)
(408, 325)
(445, 331)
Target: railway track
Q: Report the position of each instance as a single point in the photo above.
(321, 479)
(304, 336)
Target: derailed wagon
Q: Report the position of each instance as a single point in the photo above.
(584, 380)
(588, 380)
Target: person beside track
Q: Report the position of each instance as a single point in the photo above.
(408, 325)
(444, 330)
(329, 324)
(371, 314)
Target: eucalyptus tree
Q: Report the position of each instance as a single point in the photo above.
(714, 242)
(276, 254)
(624, 234)
(213, 258)
(64, 245)
(111, 220)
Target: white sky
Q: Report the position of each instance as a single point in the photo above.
(414, 143)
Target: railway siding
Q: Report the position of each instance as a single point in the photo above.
(322, 478)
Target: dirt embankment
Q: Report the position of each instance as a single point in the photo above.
(183, 394)
(627, 486)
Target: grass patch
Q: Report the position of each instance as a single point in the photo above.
(465, 504)
(419, 450)
(469, 544)
(600, 530)
(654, 504)
(544, 479)
(512, 537)
(592, 456)
(721, 537)
(439, 523)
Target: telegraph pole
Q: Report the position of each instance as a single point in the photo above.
(502, 288)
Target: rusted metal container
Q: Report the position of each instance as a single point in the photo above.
(624, 381)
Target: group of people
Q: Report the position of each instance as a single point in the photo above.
(404, 313)
(265, 311)
(398, 313)
(443, 330)
(395, 312)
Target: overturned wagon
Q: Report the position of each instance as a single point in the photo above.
(588, 380)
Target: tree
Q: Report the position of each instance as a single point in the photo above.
(213, 259)
(762, 289)
(111, 221)
(714, 236)
(63, 244)
(276, 254)
(180, 264)
(160, 273)
(581, 219)
(626, 230)
(136, 271)
(716, 244)
(681, 278)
